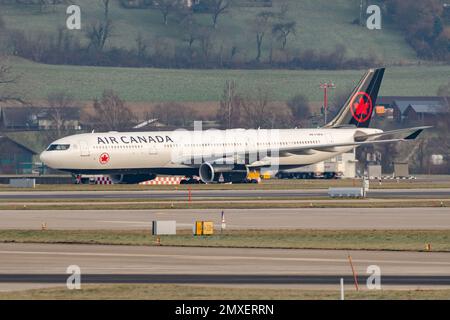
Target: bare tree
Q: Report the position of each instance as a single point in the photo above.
(2, 24)
(261, 25)
(444, 92)
(5, 77)
(206, 42)
(44, 3)
(6, 80)
(255, 110)
(167, 7)
(174, 114)
(218, 7)
(280, 117)
(105, 8)
(284, 9)
(229, 112)
(300, 108)
(99, 32)
(191, 30)
(60, 105)
(111, 113)
(282, 30)
(141, 46)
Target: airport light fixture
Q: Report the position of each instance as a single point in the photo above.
(325, 86)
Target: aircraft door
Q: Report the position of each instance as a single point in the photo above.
(329, 138)
(84, 149)
(152, 150)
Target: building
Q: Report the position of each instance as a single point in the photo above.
(15, 158)
(423, 110)
(38, 118)
(424, 114)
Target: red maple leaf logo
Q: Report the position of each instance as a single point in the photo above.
(362, 107)
(104, 158)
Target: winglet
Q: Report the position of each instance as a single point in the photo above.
(414, 135)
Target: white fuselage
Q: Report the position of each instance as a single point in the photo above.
(126, 151)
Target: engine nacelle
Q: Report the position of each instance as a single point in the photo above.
(209, 173)
(131, 178)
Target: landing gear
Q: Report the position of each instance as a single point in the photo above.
(191, 180)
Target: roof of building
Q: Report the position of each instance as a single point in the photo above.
(390, 99)
(3, 138)
(402, 105)
(427, 108)
(28, 116)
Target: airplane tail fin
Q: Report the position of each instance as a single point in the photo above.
(358, 109)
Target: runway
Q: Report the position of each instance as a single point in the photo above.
(297, 218)
(37, 263)
(217, 194)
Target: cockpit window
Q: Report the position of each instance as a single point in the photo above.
(58, 147)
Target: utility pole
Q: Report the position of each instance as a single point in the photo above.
(325, 86)
(360, 12)
(229, 104)
(231, 91)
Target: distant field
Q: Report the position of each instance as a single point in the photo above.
(428, 182)
(155, 85)
(321, 25)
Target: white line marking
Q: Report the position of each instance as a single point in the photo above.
(125, 222)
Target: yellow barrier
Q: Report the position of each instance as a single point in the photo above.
(204, 228)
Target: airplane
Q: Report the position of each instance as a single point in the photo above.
(217, 156)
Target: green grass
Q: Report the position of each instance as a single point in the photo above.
(190, 292)
(225, 204)
(270, 184)
(321, 25)
(156, 85)
(398, 240)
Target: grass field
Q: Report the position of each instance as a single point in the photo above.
(222, 204)
(321, 24)
(398, 240)
(270, 184)
(187, 292)
(156, 85)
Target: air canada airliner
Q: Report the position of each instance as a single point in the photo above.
(225, 155)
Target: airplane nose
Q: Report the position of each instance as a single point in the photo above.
(44, 157)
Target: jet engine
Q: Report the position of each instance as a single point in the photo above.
(210, 173)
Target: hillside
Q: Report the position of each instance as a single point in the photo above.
(321, 25)
(154, 85)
